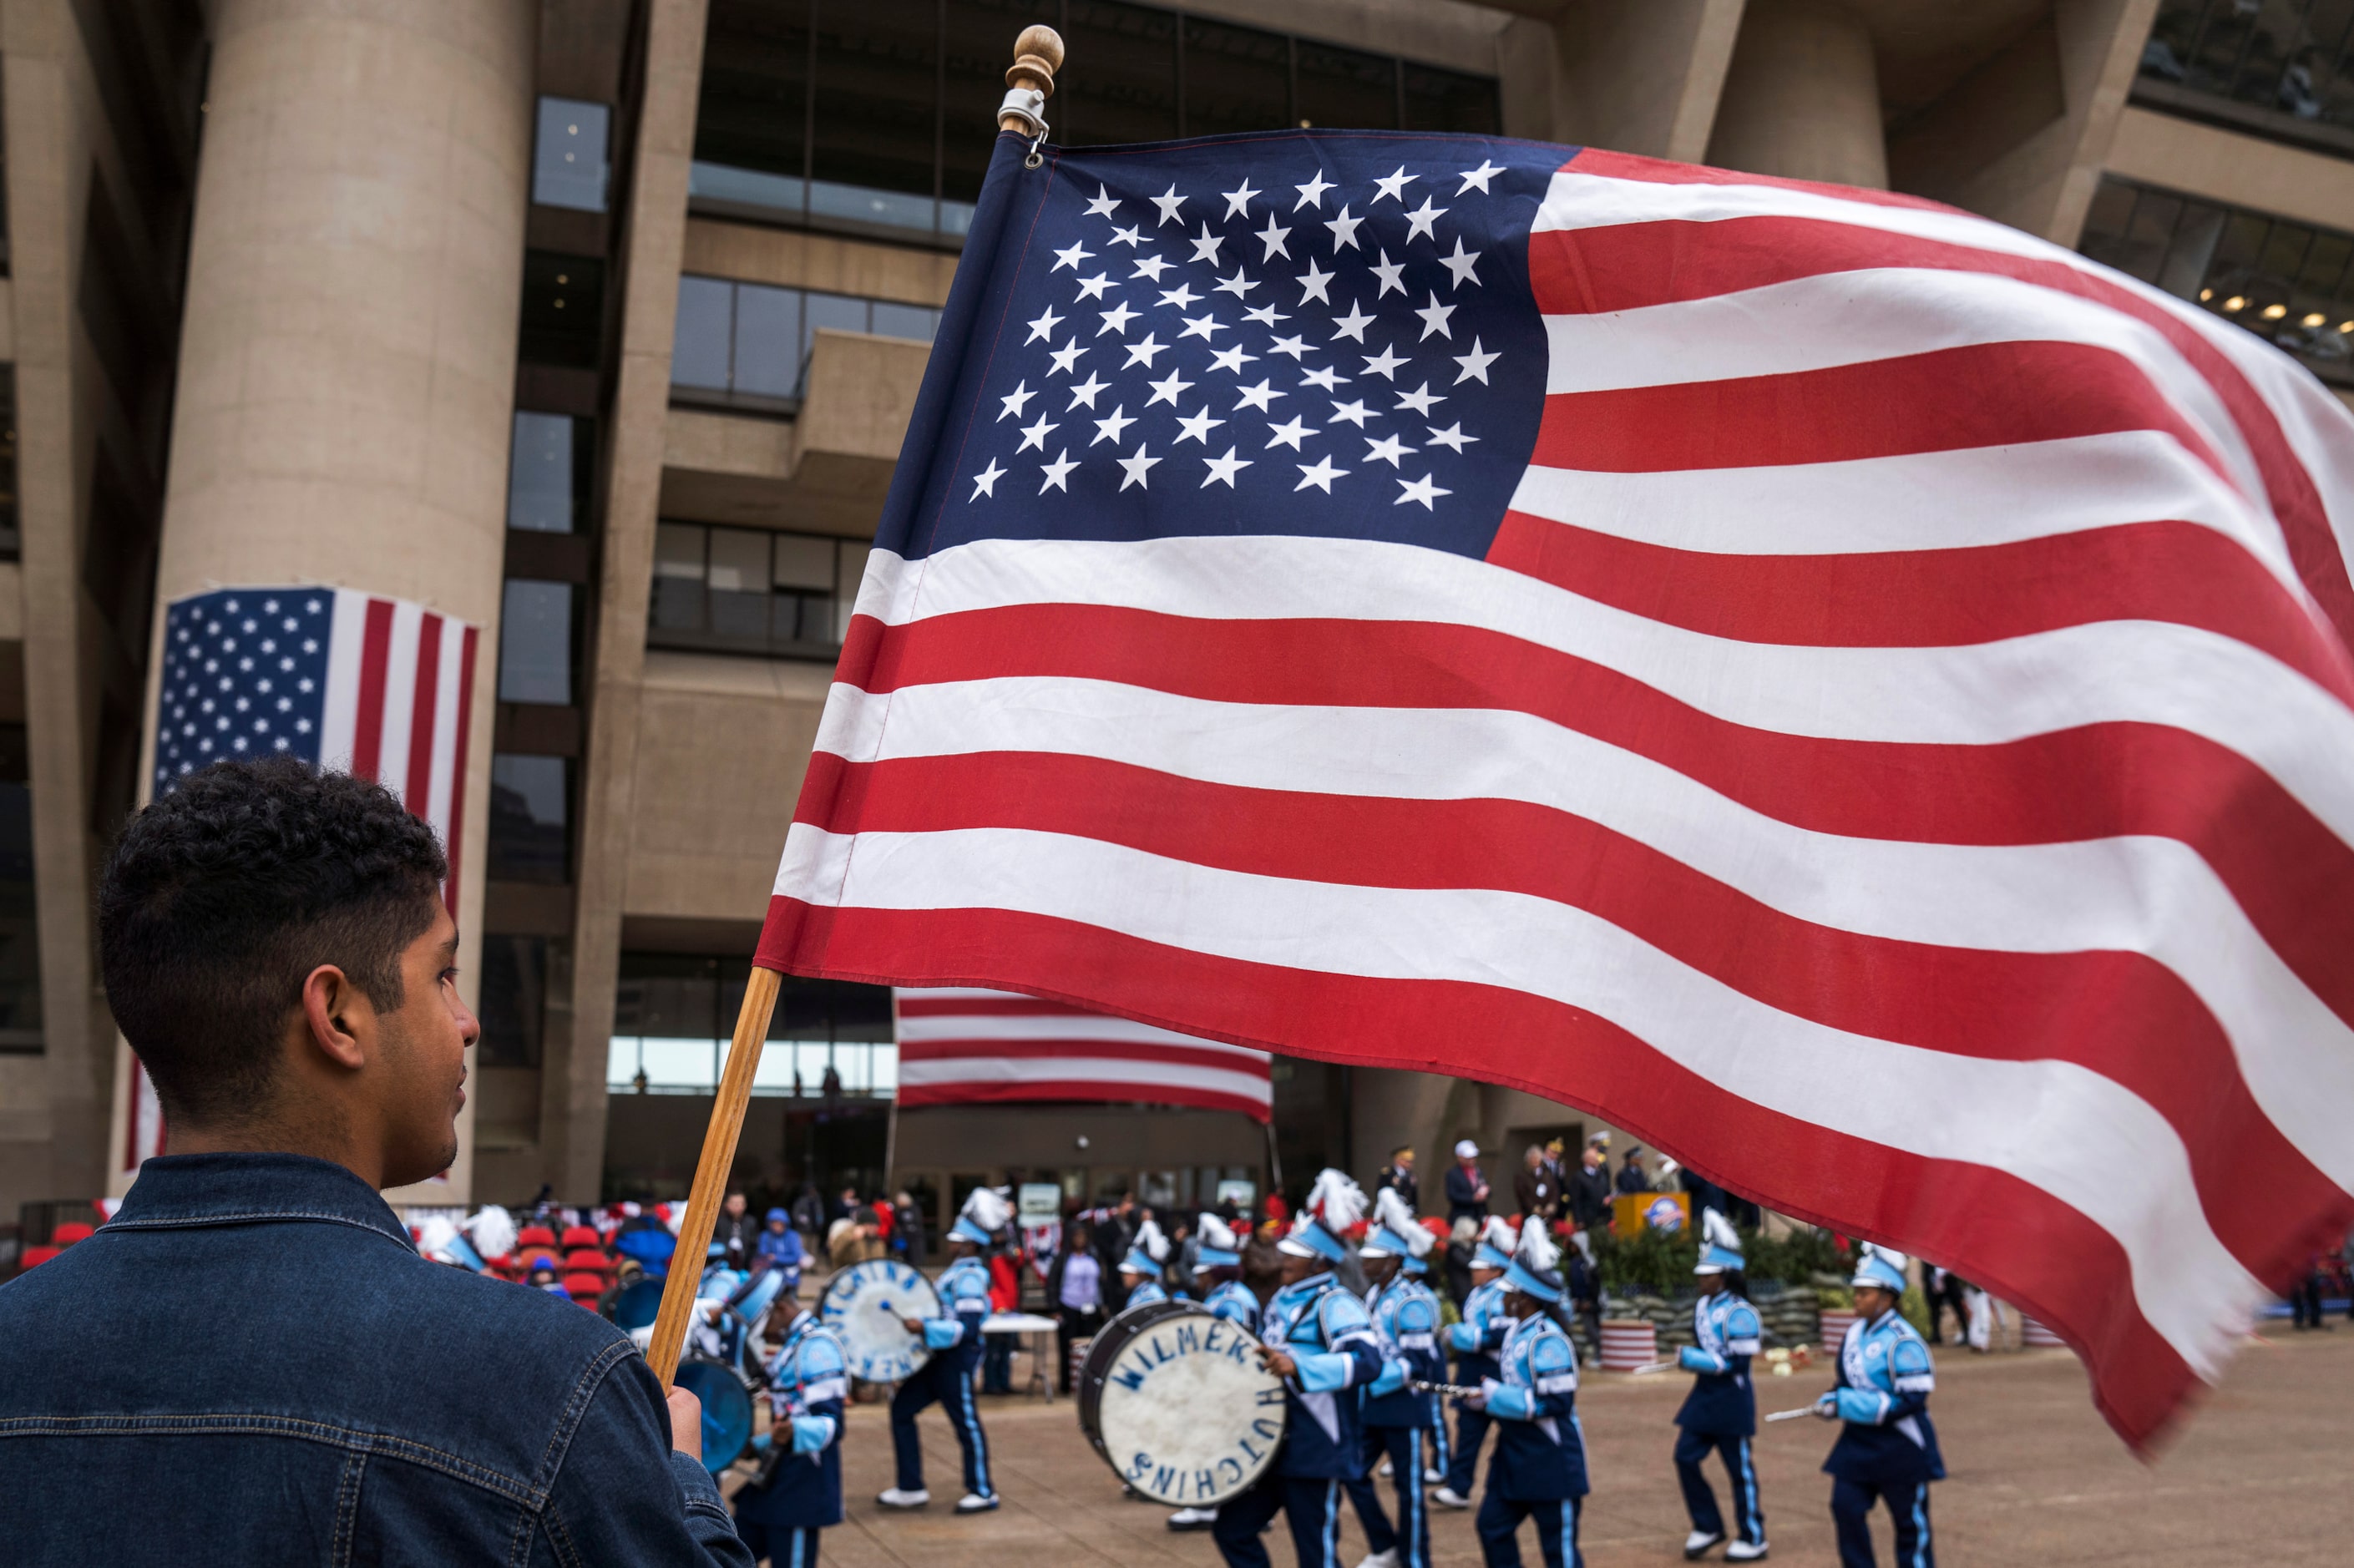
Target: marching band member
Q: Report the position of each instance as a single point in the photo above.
(1142, 1267)
(1475, 1341)
(798, 1490)
(1218, 1270)
(1539, 1471)
(1406, 1322)
(1721, 1412)
(954, 1339)
(1887, 1449)
(1320, 1342)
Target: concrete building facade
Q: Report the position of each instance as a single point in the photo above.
(597, 323)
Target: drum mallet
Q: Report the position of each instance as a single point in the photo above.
(1791, 1414)
(1449, 1390)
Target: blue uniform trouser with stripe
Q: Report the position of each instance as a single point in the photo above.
(1402, 1448)
(1748, 1513)
(1471, 1431)
(1908, 1504)
(1379, 1534)
(779, 1546)
(943, 1378)
(1499, 1523)
(1311, 1503)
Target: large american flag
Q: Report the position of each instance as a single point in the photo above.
(1845, 690)
(971, 1047)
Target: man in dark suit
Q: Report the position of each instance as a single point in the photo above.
(1466, 1188)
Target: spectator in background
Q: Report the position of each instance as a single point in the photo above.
(1533, 1193)
(1631, 1178)
(1944, 1290)
(846, 1206)
(1075, 1287)
(734, 1228)
(857, 1239)
(1398, 1177)
(809, 1217)
(1460, 1244)
(1585, 1282)
(997, 1349)
(910, 1215)
(543, 1278)
(2305, 1296)
(779, 1246)
(1589, 1188)
(1466, 1188)
(886, 1222)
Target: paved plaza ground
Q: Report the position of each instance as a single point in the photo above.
(2263, 1472)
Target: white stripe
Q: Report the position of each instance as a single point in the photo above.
(2312, 421)
(2143, 895)
(1870, 314)
(400, 700)
(1083, 1070)
(963, 993)
(988, 1027)
(2054, 1125)
(1983, 693)
(346, 641)
(445, 725)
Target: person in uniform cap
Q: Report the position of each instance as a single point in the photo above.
(1539, 1471)
(1475, 1342)
(1887, 1451)
(954, 1340)
(1218, 1276)
(1395, 1415)
(1318, 1338)
(1720, 1411)
(1140, 1269)
(798, 1491)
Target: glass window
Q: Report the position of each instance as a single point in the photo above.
(1236, 79)
(513, 1002)
(1439, 100)
(747, 590)
(563, 306)
(755, 340)
(1346, 89)
(11, 537)
(981, 35)
(838, 313)
(567, 165)
(673, 1015)
(701, 342)
(548, 477)
(753, 116)
(530, 818)
(875, 151)
(1122, 83)
(852, 570)
(2282, 61)
(903, 320)
(536, 643)
(767, 341)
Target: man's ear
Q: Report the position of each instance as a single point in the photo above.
(339, 1017)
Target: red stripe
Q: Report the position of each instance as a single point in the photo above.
(1216, 1058)
(375, 653)
(2176, 572)
(2121, 1015)
(1980, 394)
(988, 1007)
(2292, 876)
(419, 793)
(1659, 172)
(1988, 1225)
(914, 1097)
(1630, 266)
(456, 845)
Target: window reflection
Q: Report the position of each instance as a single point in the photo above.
(754, 340)
(548, 476)
(530, 836)
(674, 1014)
(2286, 59)
(747, 590)
(567, 165)
(536, 643)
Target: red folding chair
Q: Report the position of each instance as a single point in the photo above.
(579, 1236)
(71, 1232)
(584, 1288)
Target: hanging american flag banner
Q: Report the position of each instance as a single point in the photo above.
(1847, 691)
(966, 1046)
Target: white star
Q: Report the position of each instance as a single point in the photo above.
(1434, 318)
(1389, 272)
(1353, 325)
(1043, 326)
(1070, 258)
(985, 481)
(1452, 436)
(1293, 346)
(1389, 449)
(1458, 266)
(1224, 469)
(1035, 435)
(1273, 238)
(1475, 364)
(1420, 399)
(1103, 205)
(1420, 490)
(1067, 357)
(1168, 389)
(1183, 296)
(1239, 199)
(1150, 266)
(1344, 231)
(1395, 184)
(1142, 353)
(1312, 192)
(1013, 401)
(1266, 315)
(1479, 176)
(1205, 245)
(1112, 426)
(1127, 237)
(1136, 467)
(1330, 380)
(1260, 397)
(1288, 434)
(1117, 319)
(1321, 475)
(1084, 392)
(1419, 220)
(1093, 288)
(1355, 412)
(1236, 285)
(1169, 202)
(1231, 359)
(1202, 327)
(1384, 364)
(1198, 427)
(1311, 284)
(1056, 473)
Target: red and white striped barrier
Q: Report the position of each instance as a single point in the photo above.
(1628, 1343)
(2034, 1336)
(1835, 1326)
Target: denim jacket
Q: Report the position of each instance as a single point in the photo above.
(250, 1363)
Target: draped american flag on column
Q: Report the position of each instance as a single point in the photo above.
(1849, 692)
(970, 1046)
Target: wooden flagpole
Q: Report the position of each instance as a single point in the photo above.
(1037, 55)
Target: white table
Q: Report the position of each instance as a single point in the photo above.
(1040, 1330)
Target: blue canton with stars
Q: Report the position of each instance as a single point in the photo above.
(1301, 333)
(245, 675)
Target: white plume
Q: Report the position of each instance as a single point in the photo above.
(1338, 1200)
(1537, 1252)
(989, 1208)
(434, 1236)
(1889, 1256)
(493, 1230)
(1498, 1233)
(1719, 1231)
(1391, 1211)
(1152, 1243)
(1215, 1233)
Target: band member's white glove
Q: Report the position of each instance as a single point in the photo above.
(1827, 1407)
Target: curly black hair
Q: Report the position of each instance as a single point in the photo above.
(222, 896)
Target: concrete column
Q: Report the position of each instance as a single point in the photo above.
(1802, 97)
(347, 368)
(1640, 76)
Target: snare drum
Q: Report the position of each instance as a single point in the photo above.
(1176, 1401)
(865, 1303)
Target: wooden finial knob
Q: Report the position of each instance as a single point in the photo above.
(1038, 55)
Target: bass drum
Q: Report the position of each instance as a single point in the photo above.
(726, 1409)
(865, 1303)
(1175, 1399)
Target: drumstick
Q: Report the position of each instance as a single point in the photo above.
(1791, 1414)
(1454, 1390)
(1649, 1367)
